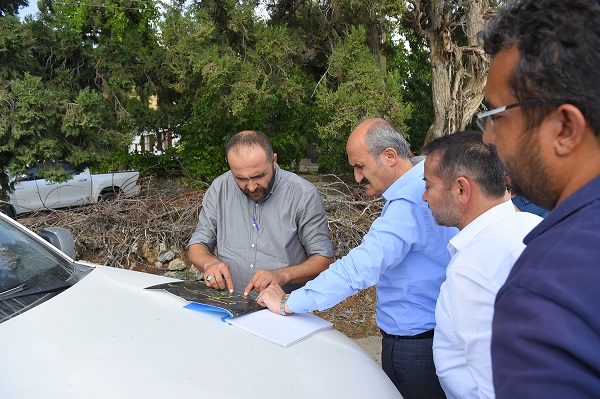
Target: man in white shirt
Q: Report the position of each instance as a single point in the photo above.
(465, 188)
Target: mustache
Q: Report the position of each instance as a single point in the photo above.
(364, 181)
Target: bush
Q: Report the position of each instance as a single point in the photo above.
(146, 162)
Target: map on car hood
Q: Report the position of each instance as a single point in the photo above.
(206, 298)
(284, 331)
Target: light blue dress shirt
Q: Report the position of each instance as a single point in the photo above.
(404, 253)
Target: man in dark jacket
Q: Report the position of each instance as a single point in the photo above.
(544, 87)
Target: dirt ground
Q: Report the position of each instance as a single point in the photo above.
(355, 316)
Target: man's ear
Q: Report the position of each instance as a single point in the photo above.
(390, 155)
(571, 129)
(462, 189)
(274, 158)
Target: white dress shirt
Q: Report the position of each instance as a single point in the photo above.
(483, 254)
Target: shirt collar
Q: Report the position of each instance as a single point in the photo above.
(416, 172)
(486, 219)
(579, 199)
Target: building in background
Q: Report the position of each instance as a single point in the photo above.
(156, 142)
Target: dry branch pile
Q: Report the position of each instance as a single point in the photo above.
(150, 233)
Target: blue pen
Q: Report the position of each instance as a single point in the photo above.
(255, 224)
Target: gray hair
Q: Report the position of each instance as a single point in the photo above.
(416, 159)
(381, 135)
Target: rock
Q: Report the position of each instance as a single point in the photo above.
(172, 275)
(166, 256)
(177, 264)
(195, 273)
(149, 252)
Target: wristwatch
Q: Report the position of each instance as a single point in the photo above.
(282, 305)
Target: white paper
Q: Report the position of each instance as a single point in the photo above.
(282, 330)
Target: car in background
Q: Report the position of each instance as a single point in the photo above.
(32, 193)
(71, 329)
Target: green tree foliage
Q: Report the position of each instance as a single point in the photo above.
(11, 7)
(412, 67)
(15, 49)
(306, 75)
(76, 82)
(354, 89)
(148, 163)
(234, 73)
(324, 27)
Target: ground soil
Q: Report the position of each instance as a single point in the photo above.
(355, 316)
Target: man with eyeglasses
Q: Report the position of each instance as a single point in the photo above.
(545, 82)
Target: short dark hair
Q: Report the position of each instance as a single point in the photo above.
(381, 135)
(250, 138)
(465, 154)
(559, 58)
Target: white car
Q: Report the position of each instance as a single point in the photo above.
(75, 330)
(32, 193)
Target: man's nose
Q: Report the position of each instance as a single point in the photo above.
(252, 186)
(489, 138)
(358, 177)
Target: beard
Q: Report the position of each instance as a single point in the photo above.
(529, 177)
(448, 215)
(260, 193)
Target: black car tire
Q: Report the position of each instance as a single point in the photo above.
(8, 210)
(108, 196)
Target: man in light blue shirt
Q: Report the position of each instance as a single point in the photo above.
(404, 253)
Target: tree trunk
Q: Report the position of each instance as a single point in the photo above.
(458, 64)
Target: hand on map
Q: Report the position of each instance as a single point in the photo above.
(264, 278)
(217, 275)
(270, 298)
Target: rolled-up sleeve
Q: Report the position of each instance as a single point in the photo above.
(206, 229)
(313, 229)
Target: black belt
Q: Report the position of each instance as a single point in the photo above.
(423, 335)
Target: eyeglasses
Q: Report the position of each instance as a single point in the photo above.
(485, 120)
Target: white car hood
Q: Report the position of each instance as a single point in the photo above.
(107, 337)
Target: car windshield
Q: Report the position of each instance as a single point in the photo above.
(30, 273)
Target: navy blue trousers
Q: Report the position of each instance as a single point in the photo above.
(409, 364)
